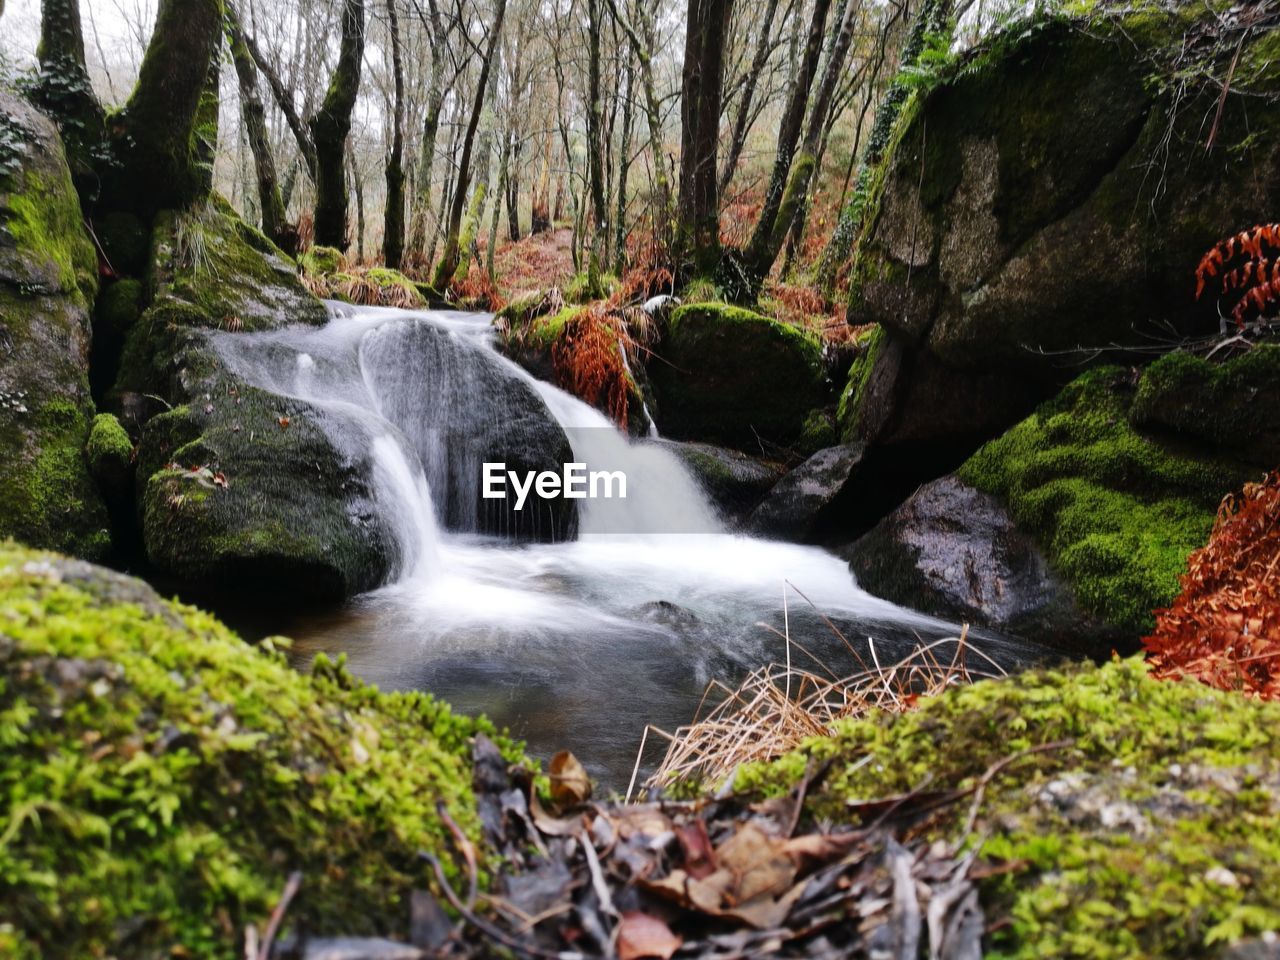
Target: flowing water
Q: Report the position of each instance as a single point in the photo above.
(576, 644)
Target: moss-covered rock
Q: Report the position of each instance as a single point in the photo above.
(1138, 818)
(1224, 405)
(162, 778)
(321, 261)
(109, 452)
(48, 277)
(726, 375)
(290, 513)
(120, 305)
(1115, 510)
(998, 234)
(734, 481)
(212, 260)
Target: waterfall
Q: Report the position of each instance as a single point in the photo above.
(425, 398)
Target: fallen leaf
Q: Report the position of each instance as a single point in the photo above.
(758, 862)
(283, 421)
(570, 785)
(643, 936)
(699, 856)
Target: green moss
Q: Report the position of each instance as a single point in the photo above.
(45, 222)
(1215, 403)
(320, 261)
(1151, 788)
(107, 441)
(859, 373)
(120, 305)
(1116, 511)
(580, 289)
(46, 497)
(162, 778)
(701, 290)
(212, 260)
(729, 375)
(818, 432)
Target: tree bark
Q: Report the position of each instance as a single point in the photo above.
(157, 163)
(430, 131)
(742, 120)
(595, 151)
(779, 202)
(252, 113)
(701, 88)
(62, 88)
(393, 216)
(643, 43)
(330, 128)
(449, 258)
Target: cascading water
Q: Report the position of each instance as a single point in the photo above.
(579, 642)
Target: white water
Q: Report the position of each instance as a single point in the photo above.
(574, 643)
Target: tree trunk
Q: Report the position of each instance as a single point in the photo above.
(157, 162)
(780, 202)
(283, 100)
(358, 187)
(595, 151)
(742, 121)
(252, 113)
(62, 89)
(330, 127)
(624, 170)
(643, 43)
(513, 195)
(430, 131)
(701, 88)
(449, 258)
(393, 217)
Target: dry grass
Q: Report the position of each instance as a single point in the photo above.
(476, 291)
(777, 707)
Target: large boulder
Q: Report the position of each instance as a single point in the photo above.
(238, 489)
(165, 778)
(48, 277)
(726, 375)
(955, 552)
(1112, 510)
(1012, 223)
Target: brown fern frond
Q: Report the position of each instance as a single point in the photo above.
(590, 361)
(1247, 243)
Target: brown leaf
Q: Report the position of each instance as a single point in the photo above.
(570, 785)
(643, 936)
(699, 856)
(758, 862)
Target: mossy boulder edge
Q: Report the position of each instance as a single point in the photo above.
(163, 778)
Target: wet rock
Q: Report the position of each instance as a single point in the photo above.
(955, 552)
(734, 481)
(799, 506)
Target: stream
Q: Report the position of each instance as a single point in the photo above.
(577, 644)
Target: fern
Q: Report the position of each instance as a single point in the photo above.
(1242, 268)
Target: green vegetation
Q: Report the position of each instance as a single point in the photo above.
(1117, 512)
(729, 375)
(44, 223)
(1146, 814)
(108, 446)
(318, 261)
(1220, 404)
(159, 769)
(120, 305)
(859, 373)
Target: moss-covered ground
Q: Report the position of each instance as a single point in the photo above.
(162, 778)
(1137, 818)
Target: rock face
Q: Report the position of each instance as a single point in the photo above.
(238, 489)
(1073, 526)
(108, 679)
(729, 376)
(955, 552)
(48, 277)
(735, 482)
(1002, 230)
(799, 506)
